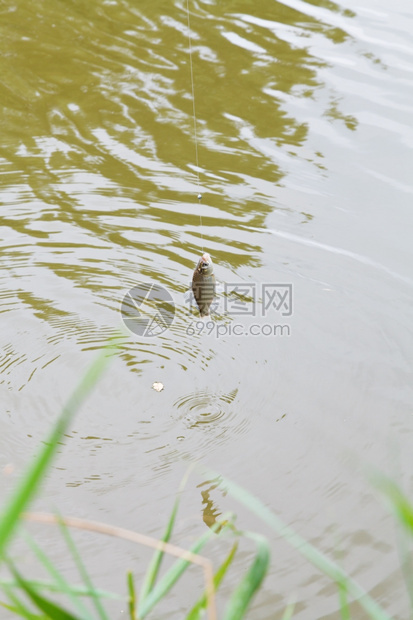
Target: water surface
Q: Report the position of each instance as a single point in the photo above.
(304, 124)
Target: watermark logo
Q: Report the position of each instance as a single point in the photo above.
(248, 299)
(278, 297)
(240, 298)
(220, 330)
(190, 303)
(148, 310)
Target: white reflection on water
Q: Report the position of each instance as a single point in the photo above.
(329, 248)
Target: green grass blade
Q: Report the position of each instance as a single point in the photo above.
(324, 564)
(49, 608)
(172, 576)
(132, 596)
(22, 612)
(19, 608)
(344, 608)
(82, 570)
(155, 564)
(242, 595)
(399, 503)
(402, 509)
(199, 607)
(39, 584)
(289, 610)
(19, 612)
(30, 482)
(406, 562)
(62, 585)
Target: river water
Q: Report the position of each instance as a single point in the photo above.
(301, 384)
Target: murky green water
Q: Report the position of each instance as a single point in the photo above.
(304, 124)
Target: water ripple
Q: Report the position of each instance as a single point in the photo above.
(214, 417)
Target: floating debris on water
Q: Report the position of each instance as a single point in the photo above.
(158, 386)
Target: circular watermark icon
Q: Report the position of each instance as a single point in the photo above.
(148, 309)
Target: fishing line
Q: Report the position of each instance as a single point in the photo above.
(194, 118)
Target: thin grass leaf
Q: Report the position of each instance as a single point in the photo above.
(62, 585)
(324, 564)
(199, 607)
(18, 612)
(289, 610)
(402, 508)
(132, 596)
(242, 595)
(344, 608)
(406, 563)
(172, 576)
(53, 587)
(21, 611)
(19, 608)
(398, 501)
(82, 570)
(49, 608)
(30, 482)
(155, 564)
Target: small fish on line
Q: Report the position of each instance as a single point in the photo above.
(203, 284)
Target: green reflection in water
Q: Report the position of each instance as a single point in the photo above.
(97, 125)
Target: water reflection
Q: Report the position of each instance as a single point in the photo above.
(210, 512)
(105, 154)
(122, 110)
